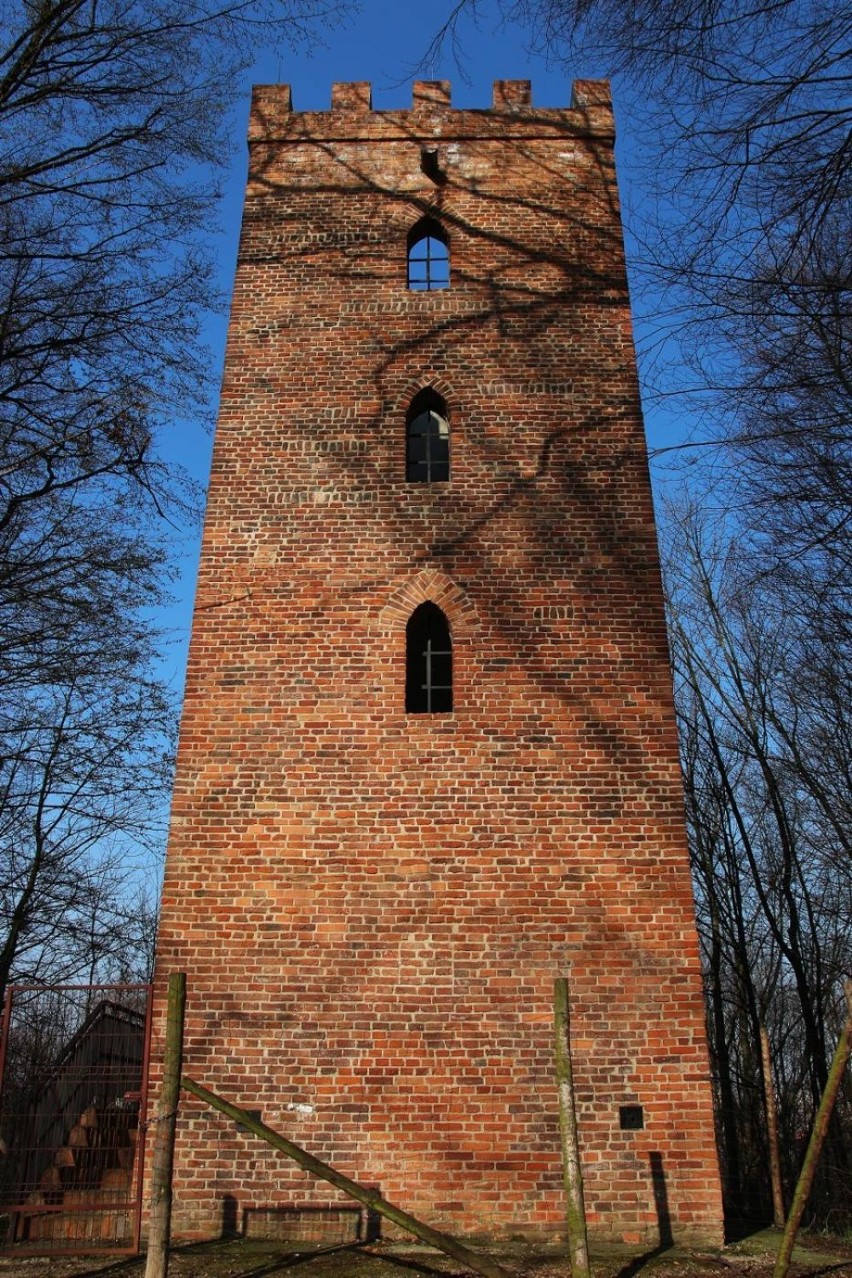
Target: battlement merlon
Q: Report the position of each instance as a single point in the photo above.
(431, 114)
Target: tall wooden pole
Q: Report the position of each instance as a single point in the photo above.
(772, 1131)
(572, 1173)
(826, 1105)
(162, 1159)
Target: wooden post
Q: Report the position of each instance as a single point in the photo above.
(772, 1131)
(815, 1144)
(162, 1159)
(572, 1173)
(371, 1198)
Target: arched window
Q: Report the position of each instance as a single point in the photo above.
(428, 662)
(428, 256)
(427, 450)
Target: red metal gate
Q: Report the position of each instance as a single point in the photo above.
(73, 1083)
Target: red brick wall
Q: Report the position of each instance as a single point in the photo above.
(371, 907)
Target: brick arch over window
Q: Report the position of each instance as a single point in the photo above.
(429, 586)
(442, 208)
(400, 397)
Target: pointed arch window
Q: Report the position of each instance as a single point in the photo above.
(428, 256)
(427, 452)
(428, 662)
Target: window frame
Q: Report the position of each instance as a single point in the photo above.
(436, 264)
(429, 625)
(436, 443)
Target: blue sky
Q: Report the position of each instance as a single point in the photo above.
(384, 43)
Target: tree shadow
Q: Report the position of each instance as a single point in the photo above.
(547, 527)
(130, 1265)
(416, 1266)
(664, 1220)
(294, 1260)
(278, 1264)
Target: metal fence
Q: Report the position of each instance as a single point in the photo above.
(73, 1082)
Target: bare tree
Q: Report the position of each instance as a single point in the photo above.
(82, 800)
(746, 271)
(746, 264)
(770, 844)
(113, 127)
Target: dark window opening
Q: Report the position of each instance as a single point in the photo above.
(631, 1118)
(428, 662)
(427, 458)
(428, 256)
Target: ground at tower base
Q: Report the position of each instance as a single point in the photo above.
(815, 1256)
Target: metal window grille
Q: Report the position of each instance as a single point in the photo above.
(429, 675)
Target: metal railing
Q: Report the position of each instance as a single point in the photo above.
(73, 1085)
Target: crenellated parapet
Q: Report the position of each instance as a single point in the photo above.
(431, 112)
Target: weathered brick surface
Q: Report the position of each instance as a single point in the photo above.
(372, 906)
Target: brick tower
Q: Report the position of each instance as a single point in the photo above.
(428, 759)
